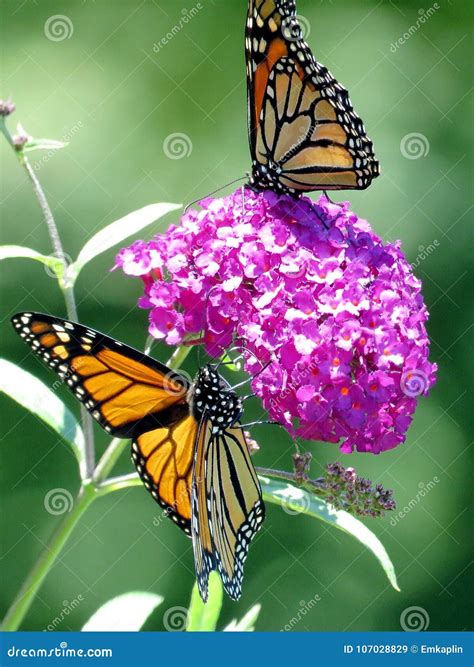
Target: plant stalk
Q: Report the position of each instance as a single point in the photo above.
(43, 565)
(92, 486)
(67, 288)
(68, 291)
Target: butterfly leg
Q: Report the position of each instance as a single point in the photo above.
(336, 203)
(259, 422)
(241, 384)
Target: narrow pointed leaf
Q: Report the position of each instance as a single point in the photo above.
(44, 144)
(118, 231)
(295, 499)
(39, 399)
(247, 623)
(14, 251)
(124, 613)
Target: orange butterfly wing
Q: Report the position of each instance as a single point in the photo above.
(126, 391)
(131, 396)
(164, 459)
(303, 131)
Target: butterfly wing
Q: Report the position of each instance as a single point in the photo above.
(130, 395)
(126, 391)
(304, 133)
(227, 508)
(164, 459)
(203, 547)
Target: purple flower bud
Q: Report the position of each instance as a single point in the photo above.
(19, 140)
(344, 489)
(6, 108)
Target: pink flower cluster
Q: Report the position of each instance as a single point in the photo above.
(307, 288)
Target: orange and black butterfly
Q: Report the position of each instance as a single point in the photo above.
(304, 134)
(187, 441)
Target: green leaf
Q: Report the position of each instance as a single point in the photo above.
(13, 251)
(203, 617)
(118, 231)
(43, 144)
(36, 397)
(247, 623)
(294, 499)
(124, 613)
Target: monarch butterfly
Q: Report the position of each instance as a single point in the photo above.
(303, 132)
(187, 441)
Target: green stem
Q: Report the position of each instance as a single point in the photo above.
(67, 287)
(125, 481)
(178, 357)
(108, 459)
(149, 344)
(43, 565)
(315, 486)
(89, 491)
(203, 617)
(118, 483)
(279, 474)
(52, 229)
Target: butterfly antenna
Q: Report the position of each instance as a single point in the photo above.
(188, 206)
(244, 348)
(251, 379)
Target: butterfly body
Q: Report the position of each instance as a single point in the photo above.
(304, 134)
(211, 397)
(188, 446)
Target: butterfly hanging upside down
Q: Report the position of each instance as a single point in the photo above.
(187, 441)
(304, 134)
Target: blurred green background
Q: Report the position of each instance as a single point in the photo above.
(116, 92)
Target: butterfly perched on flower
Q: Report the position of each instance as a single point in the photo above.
(187, 441)
(304, 134)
